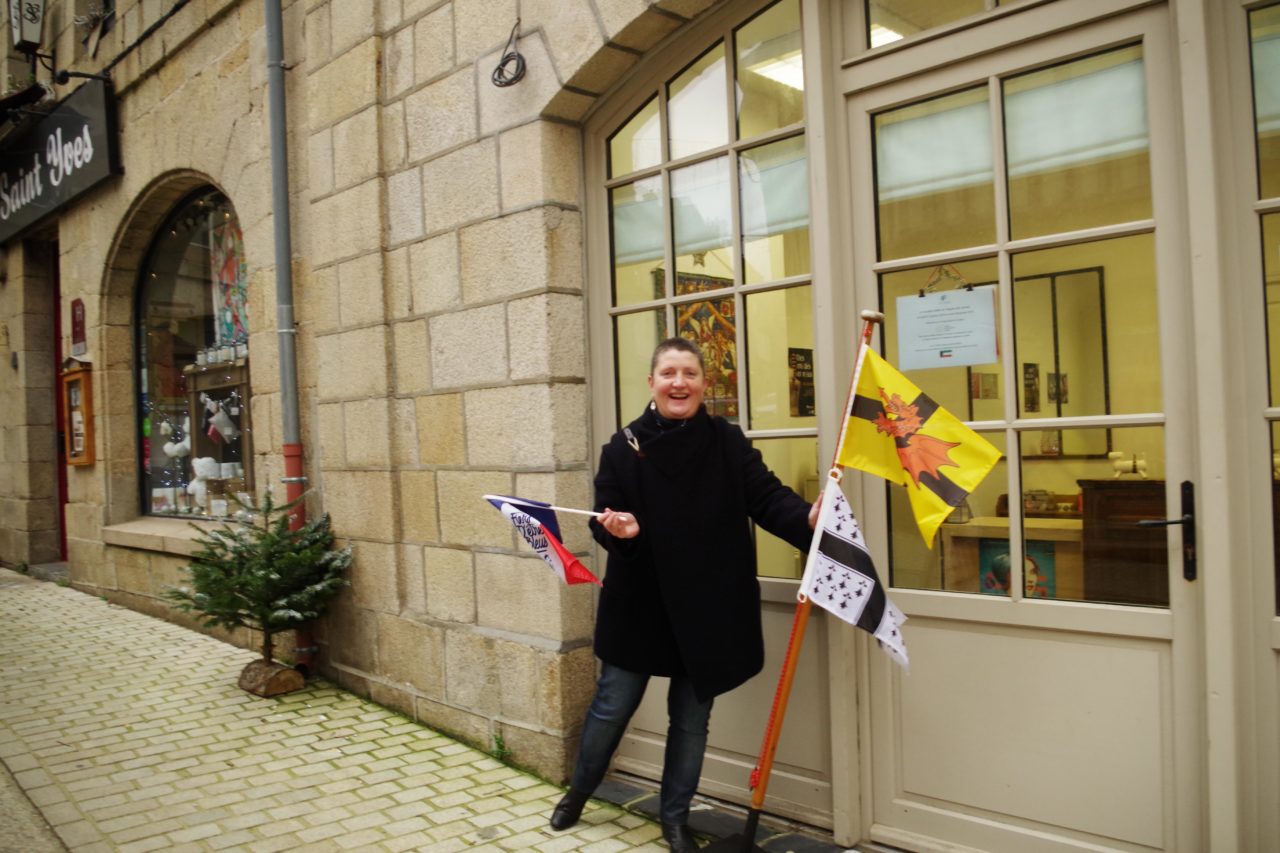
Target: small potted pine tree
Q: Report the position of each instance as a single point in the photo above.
(260, 574)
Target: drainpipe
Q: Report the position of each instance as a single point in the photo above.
(286, 331)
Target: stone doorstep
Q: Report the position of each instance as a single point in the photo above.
(49, 571)
(716, 819)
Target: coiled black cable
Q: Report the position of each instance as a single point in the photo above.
(511, 67)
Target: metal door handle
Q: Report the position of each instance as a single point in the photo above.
(1165, 522)
(1188, 522)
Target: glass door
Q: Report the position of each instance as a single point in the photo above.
(703, 175)
(1051, 636)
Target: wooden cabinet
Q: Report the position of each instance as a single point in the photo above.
(1124, 563)
(221, 452)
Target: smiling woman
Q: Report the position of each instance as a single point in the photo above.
(677, 379)
(674, 469)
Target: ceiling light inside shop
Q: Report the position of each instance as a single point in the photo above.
(787, 69)
(882, 35)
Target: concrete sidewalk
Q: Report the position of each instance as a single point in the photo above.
(129, 734)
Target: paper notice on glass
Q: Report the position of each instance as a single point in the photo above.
(947, 329)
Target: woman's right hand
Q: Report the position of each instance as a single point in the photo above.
(621, 525)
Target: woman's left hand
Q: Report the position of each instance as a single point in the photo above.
(621, 525)
(813, 512)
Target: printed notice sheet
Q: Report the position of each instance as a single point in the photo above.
(947, 329)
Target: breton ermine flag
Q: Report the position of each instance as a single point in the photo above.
(536, 522)
(840, 576)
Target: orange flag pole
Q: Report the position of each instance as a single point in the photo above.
(759, 782)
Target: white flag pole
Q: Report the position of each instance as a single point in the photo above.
(519, 502)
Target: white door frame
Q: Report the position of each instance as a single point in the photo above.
(1244, 786)
(1044, 33)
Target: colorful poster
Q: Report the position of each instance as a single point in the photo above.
(230, 285)
(712, 326)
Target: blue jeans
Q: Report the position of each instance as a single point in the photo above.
(618, 694)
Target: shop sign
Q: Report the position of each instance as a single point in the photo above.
(66, 154)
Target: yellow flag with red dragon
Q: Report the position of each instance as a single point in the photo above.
(895, 431)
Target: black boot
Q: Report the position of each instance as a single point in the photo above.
(569, 809)
(679, 837)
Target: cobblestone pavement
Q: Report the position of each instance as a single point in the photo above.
(129, 734)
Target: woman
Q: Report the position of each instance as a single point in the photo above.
(677, 489)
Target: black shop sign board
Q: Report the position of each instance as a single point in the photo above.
(64, 155)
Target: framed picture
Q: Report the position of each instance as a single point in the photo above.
(1039, 575)
(77, 413)
(1030, 387)
(800, 377)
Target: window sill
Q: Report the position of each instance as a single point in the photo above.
(166, 535)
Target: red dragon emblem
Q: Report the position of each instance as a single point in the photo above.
(919, 454)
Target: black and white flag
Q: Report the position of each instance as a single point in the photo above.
(840, 576)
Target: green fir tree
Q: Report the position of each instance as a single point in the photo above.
(260, 574)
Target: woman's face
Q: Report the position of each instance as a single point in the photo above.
(677, 384)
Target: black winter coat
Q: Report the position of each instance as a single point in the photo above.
(682, 598)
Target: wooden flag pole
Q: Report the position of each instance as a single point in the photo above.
(759, 782)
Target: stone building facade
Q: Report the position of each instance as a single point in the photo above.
(438, 281)
(479, 273)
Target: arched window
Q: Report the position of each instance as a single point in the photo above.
(193, 353)
(708, 207)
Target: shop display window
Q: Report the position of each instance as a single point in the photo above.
(709, 239)
(194, 433)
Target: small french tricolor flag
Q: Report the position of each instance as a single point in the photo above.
(536, 522)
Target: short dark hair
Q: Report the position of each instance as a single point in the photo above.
(680, 344)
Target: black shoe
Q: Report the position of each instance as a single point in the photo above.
(569, 809)
(679, 837)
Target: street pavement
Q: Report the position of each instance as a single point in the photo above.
(22, 828)
(129, 734)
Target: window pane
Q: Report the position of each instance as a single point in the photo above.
(935, 188)
(638, 247)
(1087, 336)
(638, 145)
(1271, 295)
(194, 341)
(780, 359)
(1264, 32)
(971, 392)
(890, 20)
(770, 71)
(953, 563)
(1076, 145)
(712, 325)
(1080, 517)
(773, 182)
(795, 461)
(697, 113)
(634, 338)
(703, 222)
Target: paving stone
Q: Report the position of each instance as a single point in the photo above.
(190, 762)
